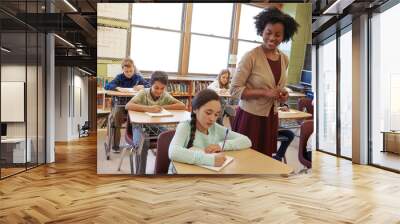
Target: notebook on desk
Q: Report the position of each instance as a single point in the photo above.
(215, 168)
(127, 90)
(219, 168)
(163, 113)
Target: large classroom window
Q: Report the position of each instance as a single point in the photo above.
(248, 38)
(327, 96)
(209, 44)
(346, 93)
(155, 42)
(385, 89)
(170, 45)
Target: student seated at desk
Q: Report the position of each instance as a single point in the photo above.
(284, 133)
(221, 86)
(203, 132)
(129, 78)
(153, 99)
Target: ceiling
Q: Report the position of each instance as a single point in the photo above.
(76, 25)
(329, 16)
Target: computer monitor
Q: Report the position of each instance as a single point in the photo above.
(3, 129)
(305, 78)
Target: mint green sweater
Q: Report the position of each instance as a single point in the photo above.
(216, 133)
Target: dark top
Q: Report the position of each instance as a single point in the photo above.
(276, 69)
(122, 81)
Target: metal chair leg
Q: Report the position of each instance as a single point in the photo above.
(122, 158)
(131, 154)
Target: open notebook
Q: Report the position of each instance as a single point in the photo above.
(163, 113)
(215, 168)
(128, 90)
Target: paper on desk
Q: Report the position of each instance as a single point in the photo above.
(215, 168)
(219, 168)
(127, 90)
(163, 113)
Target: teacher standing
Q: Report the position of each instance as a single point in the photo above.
(260, 79)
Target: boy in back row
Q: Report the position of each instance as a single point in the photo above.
(129, 78)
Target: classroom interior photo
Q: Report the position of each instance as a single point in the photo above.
(139, 112)
(171, 38)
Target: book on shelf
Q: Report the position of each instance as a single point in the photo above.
(176, 88)
(200, 85)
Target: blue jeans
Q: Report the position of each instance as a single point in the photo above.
(284, 144)
(151, 131)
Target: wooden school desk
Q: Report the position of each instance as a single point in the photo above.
(120, 94)
(141, 119)
(293, 114)
(247, 161)
(119, 99)
(292, 119)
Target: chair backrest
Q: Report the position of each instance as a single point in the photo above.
(162, 158)
(86, 125)
(306, 130)
(305, 103)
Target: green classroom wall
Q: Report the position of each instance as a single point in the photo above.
(300, 40)
(102, 63)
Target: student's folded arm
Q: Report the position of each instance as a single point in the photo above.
(173, 104)
(214, 86)
(143, 82)
(111, 85)
(136, 107)
(234, 140)
(179, 153)
(134, 103)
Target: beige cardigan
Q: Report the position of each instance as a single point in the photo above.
(254, 72)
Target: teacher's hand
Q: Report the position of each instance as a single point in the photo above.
(271, 93)
(283, 95)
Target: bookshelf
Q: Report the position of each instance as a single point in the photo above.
(183, 88)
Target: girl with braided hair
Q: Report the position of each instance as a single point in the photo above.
(203, 132)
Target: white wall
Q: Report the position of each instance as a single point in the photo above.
(71, 94)
(34, 124)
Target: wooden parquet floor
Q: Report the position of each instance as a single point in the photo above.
(70, 191)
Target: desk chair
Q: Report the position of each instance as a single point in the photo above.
(84, 130)
(306, 130)
(162, 158)
(135, 140)
(305, 104)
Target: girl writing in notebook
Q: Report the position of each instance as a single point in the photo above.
(221, 86)
(153, 99)
(203, 132)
